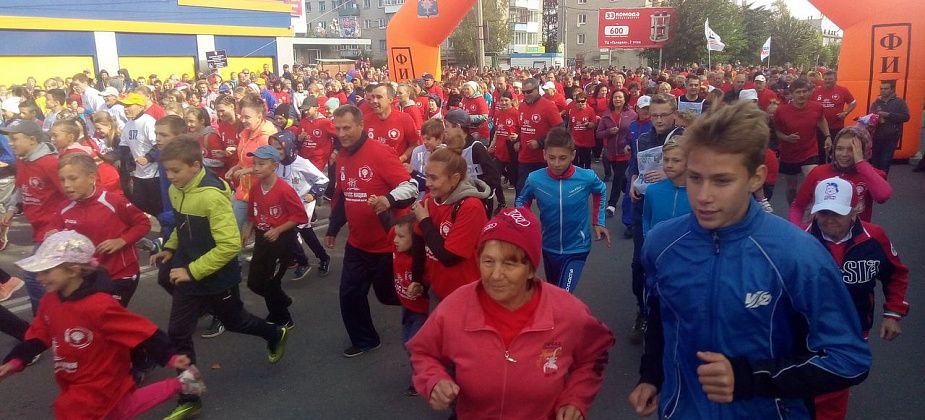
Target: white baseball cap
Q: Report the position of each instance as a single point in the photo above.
(62, 247)
(834, 194)
(643, 101)
(748, 95)
(549, 85)
(760, 78)
(110, 91)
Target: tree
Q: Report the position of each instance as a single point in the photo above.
(495, 16)
(551, 25)
(688, 43)
(795, 41)
(756, 24)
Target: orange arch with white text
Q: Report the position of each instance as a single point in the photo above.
(882, 43)
(414, 39)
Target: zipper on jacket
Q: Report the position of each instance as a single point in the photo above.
(674, 207)
(561, 221)
(715, 243)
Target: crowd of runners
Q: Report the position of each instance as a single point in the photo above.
(456, 191)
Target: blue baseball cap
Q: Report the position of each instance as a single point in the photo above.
(266, 152)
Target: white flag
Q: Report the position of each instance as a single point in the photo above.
(714, 43)
(766, 49)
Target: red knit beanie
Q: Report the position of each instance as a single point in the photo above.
(518, 226)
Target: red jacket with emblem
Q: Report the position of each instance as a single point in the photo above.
(866, 257)
(103, 216)
(39, 189)
(558, 359)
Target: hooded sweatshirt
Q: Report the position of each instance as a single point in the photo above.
(477, 108)
(447, 241)
(39, 189)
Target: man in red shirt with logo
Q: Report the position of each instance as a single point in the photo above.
(537, 117)
(370, 184)
(386, 126)
(318, 136)
(837, 101)
(796, 125)
(432, 87)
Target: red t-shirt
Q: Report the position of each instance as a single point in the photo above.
(765, 97)
(401, 273)
(91, 339)
(770, 160)
(535, 121)
(507, 123)
(477, 106)
(803, 121)
(371, 170)
(214, 148)
(318, 138)
(416, 114)
(833, 102)
(461, 237)
(272, 208)
(583, 136)
(508, 323)
(397, 131)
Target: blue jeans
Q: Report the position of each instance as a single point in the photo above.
(411, 323)
(240, 212)
(564, 270)
(33, 287)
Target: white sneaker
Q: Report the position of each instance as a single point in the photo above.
(191, 381)
(611, 210)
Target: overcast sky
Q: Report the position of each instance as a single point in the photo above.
(801, 9)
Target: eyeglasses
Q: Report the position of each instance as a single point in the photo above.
(581, 101)
(528, 91)
(660, 116)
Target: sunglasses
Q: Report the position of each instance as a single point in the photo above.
(581, 101)
(528, 91)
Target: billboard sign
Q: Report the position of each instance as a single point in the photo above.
(648, 27)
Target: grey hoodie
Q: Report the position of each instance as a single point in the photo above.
(469, 187)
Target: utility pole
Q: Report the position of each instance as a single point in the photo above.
(481, 28)
(564, 24)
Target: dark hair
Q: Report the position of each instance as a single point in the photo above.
(343, 110)
(225, 99)
(406, 220)
(201, 115)
(175, 123)
(58, 95)
(69, 126)
(580, 94)
(390, 91)
(559, 137)
(740, 129)
(610, 105)
(800, 84)
(184, 148)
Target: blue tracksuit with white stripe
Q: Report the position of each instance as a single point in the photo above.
(761, 292)
(566, 218)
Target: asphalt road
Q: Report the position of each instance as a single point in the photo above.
(314, 381)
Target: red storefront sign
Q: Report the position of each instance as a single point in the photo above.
(648, 27)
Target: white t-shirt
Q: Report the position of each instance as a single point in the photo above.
(138, 135)
(92, 101)
(118, 113)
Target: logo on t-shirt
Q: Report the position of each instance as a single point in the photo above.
(509, 121)
(535, 118)
(366, 173)
(316, 132)
(394, 133)
(275, 211)
(445, 228)
(549, 357)
(78, 337)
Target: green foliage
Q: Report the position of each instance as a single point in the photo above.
(744, 29)
(465, 37)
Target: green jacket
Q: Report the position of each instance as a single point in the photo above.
(206, 240)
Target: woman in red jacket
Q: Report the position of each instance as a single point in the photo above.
(522, 348)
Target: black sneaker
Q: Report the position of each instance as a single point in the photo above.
(411, 392)
(216, 328)
(354, 351)
(639, 329)
(628, 233)
(323, 266)
(301, 271)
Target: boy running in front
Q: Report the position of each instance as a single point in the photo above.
(561, 191)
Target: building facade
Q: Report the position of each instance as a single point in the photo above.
(578, 33)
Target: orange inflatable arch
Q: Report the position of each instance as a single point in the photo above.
(415, 33)
(882, 43)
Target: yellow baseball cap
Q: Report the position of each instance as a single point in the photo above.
(132, 99)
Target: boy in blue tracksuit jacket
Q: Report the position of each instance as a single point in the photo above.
(667, 198)
(561, 191)
(748, 317)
